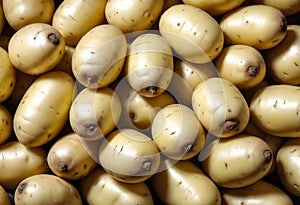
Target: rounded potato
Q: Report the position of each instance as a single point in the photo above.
(4, 199)
(46, 189)
(275, 110)
(6, 119)
(7, 76)
(238, 161)
(260, 192)
(20, 13)
(44, 108)
(68, 159)
(133, 15)
(36, 48)
(18, 162)
(129, 156)
(99, 56)
(289, 7)
(192, 33)
(73, 19)
(283, 61)
(288, 166)
(260, 26)
(101, 188)
(182, 182)
(242, 65)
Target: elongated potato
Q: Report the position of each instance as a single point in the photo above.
(242, 65)
(46, 189)
(129, 156)
(149, 64)
(4, 200)
(283, 61)
(7, 76)
(6, 119)
(260, 192)
(260, 26)
(95, 113)
(36, 48)
(18, 162)
(177, 132)
(101, 188)
(192, 33)
(275, 110)
(68, 159)
(220, 107)
(214, 7)
(133, 15)
(99, 56)
(288, 166)
(184, 183)
(288, 8)
(73, 19)
(44, 108)
(238, 161)
(20, 13)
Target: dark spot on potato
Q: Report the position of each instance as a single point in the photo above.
(268, 156)
(172, 133)
(147, 165)
(226, 165)
(132, 116)
(251, 71)
(296, 64)
(84, 166)
(63, 167)
(232, 124)
(187, 148)
(21, 187)
(54, 38)
(91, 128)
(283, 24)
(152, 90)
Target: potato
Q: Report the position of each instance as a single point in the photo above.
(260, 26)
(184, 183)
(149, 64)
(177, 132)
(220, 107)
(46, 189)
(133, 15)
(4, 199)
(36, 48)
(73, 19)
(275, 110)
(283, 61)
(44, 108)
(95, 113)
(19, 161)
(65, 64)
(288, 166)
(260, 192)
(129, 156)
(20, 13)
(215, 7)
(101, 188)
(243, 65)
(238, 161)
(99, 56)
(193, 34)
(6, 119)
(68, 159)
(7, 76)
(288, 8)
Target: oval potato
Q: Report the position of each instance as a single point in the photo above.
(289, 7)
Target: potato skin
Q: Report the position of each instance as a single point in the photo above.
(44, 108)
(4, 200)
(6, 127)
(288, 8)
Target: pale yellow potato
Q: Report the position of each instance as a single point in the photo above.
(261, 192)
(4, 200)
(133, 15)
(18, 162)
(215, 7)
(74, 18)
(242, 65)
(289, 7)
(260, 26)
(102, 188)
(6, 127)
(288, 165)
(7, 76)
(182, 182)
(19, 13)
(220, 107)
(36, 48)
(44, 109)
(68, 159)
(238, 161)
(275, 110)
(99, 56)
(129, 156)
(46, 189)
(283, 61)
(193, 34)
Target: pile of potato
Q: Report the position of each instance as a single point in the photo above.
(150, 102)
